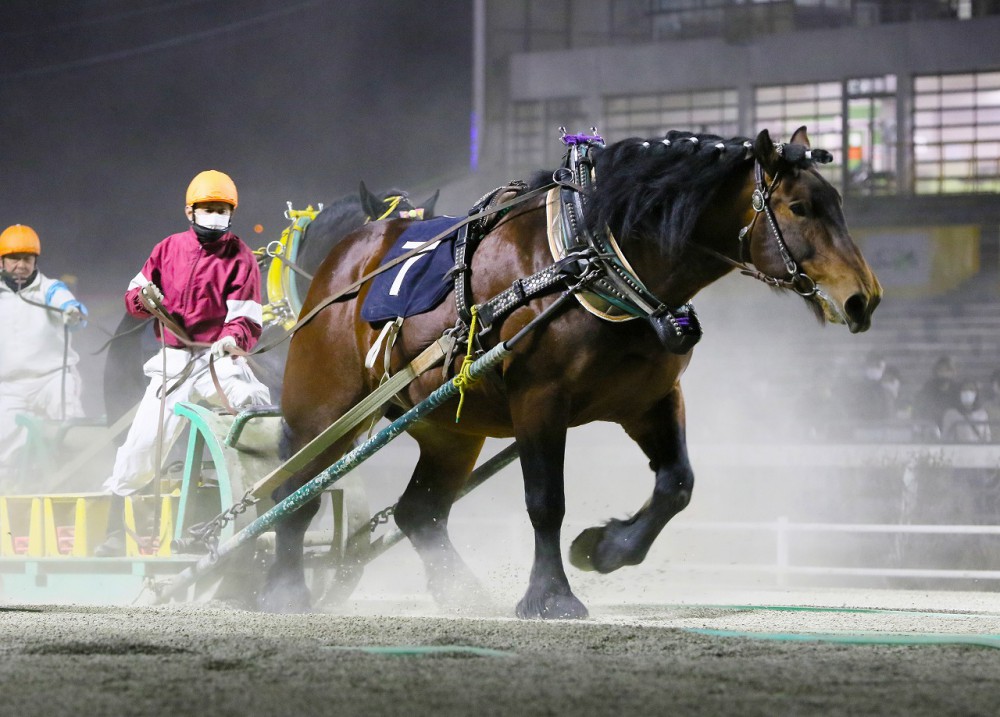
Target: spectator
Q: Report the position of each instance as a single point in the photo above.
(938, 394)
(866, 399)
(967, 422)
(891, 383)
(989, 399)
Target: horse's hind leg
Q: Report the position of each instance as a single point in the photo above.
(422, 513)
(661, 435)
(285, 590)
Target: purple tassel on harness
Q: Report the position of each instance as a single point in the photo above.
(576, 139)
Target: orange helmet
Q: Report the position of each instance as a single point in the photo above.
(19, 239)
(211, 186)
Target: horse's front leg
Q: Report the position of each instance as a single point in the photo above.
(541, 443)
(661, 435)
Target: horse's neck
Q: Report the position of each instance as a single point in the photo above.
(676, 279)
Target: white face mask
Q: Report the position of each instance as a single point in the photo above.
(212, 220)
(967, 398)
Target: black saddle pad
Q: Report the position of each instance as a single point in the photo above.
(418, 284)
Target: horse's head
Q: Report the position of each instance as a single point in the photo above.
(798, 233)
(395, 204)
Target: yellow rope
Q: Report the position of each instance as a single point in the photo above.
(464, 378)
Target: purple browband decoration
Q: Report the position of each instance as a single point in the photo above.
(572, 139)
(683, 321)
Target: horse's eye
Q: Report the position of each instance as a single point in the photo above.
(798, 209)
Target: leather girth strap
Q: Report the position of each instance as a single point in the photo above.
(469, 236)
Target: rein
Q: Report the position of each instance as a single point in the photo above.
(350, 288)
(158, 312)
(336, 296)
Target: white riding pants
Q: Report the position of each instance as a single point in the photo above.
(134, 463)
(41, 396)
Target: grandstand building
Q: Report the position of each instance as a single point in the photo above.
(906, 94)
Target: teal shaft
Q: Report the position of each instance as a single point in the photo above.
(331, 475)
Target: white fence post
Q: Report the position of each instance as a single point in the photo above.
(781, 546)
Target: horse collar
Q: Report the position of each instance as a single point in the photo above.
(614, 292)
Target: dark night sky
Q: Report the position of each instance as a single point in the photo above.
(109, 107)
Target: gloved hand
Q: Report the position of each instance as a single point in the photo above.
(72, 316)
(152, 292)
(221, 347)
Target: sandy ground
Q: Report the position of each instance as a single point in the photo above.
(653, 644)
(643, 658)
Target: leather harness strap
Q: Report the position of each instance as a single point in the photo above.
(350, 288)
(430, 357)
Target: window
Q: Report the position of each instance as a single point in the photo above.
(956, 133)
(713, 111)
(782, 109)
(534, 131)
(871, 135)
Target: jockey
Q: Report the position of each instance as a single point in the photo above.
(38, 372)
(207, 281)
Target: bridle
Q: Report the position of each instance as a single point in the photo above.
(797, 281)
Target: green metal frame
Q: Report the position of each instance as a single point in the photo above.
(200, 437)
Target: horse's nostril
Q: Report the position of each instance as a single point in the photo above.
(856, 308)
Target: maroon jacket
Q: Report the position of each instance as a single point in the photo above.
(213, 289)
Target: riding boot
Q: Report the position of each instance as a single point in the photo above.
(114, 541)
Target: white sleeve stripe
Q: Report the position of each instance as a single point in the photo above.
(244, 309)
(138, 281)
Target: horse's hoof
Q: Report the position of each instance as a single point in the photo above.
(605, 549)
(562, 606)
(284, 599)
(583, 549)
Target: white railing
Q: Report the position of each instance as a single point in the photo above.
(776, 558)
(783, 529)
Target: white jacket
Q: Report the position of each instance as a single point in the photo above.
(32, 338)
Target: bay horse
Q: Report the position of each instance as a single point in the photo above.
(134, 344)
(676, 205)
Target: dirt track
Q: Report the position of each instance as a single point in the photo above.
(633, 658)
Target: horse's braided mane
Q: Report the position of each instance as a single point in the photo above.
(659, 187)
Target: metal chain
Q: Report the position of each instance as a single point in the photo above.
(381, 517)
(208, 533)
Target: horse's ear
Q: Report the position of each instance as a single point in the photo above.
(428, 204)
(764, 151)
(800, 137)
(371, 204)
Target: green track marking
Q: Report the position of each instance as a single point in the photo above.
(861, 638)
(858, 610)
(420, 650)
